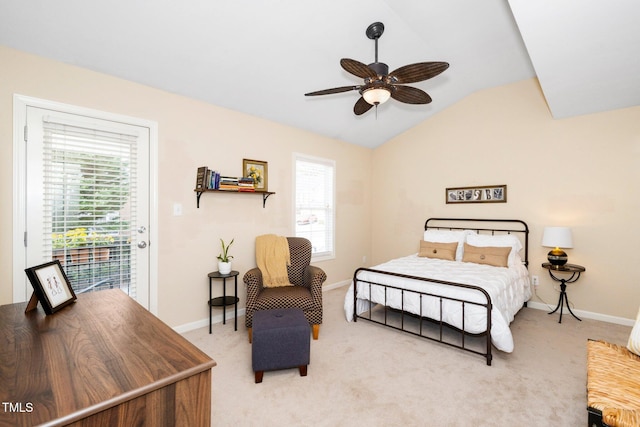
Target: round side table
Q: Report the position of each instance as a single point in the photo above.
(575, 271)
(224, 300)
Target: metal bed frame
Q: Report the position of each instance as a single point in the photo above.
(483, 226)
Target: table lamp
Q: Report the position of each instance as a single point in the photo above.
(557, 238)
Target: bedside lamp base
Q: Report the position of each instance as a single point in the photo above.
(557, 257)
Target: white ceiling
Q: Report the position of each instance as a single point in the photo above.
(261, 57)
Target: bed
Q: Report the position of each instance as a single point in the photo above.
(462, 288)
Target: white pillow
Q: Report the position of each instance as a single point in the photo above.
(518, 259)
(448, 236)
(498, 240)
(634, 339)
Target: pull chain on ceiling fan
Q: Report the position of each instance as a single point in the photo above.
(380, 85)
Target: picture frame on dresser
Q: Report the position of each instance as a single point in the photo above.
(51, 287)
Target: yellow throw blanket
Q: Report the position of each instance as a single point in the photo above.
(272, 258)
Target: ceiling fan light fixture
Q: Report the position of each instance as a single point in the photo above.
(379, 84)
(376, 96)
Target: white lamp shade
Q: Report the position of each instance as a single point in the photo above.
(557, 237)
(376, 96)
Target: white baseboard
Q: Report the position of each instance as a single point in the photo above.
(532, 304)
(218, 317)
(336, 285)
(586, 314)
(538, 306)
(205, 322)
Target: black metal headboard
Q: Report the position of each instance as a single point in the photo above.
(492, 226)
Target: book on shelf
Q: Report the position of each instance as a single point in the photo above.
(201, 178)
(246, 184)
(228, 183)
(214, 180)
(208, 179)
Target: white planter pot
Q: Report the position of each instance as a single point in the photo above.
(224, 267)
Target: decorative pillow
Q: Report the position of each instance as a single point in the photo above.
(490, 255)
(448, 236)
(634, 339)
(437, 250)
(499, 240)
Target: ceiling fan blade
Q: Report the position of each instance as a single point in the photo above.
(361, 107)
(410, 95)
(418, 72)
(357, 68)
(334, 90)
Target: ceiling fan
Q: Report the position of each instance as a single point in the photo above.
(380, 84)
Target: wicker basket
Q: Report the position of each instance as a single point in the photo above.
(613, 383)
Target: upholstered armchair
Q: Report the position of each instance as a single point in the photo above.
(305, 294)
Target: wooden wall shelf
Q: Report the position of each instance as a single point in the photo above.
(265, 194)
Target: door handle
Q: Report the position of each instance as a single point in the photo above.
(142, 244)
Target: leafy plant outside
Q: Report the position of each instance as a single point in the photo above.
(78, 237)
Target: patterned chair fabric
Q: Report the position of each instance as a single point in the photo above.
(306, 294)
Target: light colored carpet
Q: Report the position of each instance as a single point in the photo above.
(362, 374)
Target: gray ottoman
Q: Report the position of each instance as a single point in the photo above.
(280, 340)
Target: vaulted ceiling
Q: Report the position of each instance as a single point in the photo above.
(260, 58)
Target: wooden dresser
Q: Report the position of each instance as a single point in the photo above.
(103, 361)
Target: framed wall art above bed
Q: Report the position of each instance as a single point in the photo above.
(483, 194)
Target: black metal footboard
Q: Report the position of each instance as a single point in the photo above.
(437, 320)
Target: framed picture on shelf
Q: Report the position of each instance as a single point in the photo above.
(484, 194)
(257, 170)
(51, 286)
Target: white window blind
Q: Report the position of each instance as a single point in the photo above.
(89, 204)
(315, 203)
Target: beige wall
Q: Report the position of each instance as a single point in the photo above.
(582, 172)
(193, 134)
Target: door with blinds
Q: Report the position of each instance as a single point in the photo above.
(87, 200)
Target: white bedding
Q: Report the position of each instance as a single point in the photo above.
(509, 289)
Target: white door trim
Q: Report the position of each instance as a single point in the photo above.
(20, 103)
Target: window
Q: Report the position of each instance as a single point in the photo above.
(88, 204)
(315, 204)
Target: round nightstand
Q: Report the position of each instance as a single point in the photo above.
(572, 269)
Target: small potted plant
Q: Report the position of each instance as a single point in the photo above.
(224, 259)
